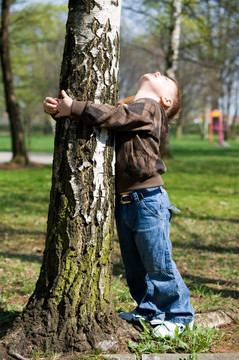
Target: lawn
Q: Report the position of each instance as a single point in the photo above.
(36, 143)
(201, 180)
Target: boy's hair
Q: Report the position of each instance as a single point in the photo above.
(174, 109)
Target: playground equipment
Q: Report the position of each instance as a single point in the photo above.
(216, 124)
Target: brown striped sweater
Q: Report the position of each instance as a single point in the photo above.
(139, 127)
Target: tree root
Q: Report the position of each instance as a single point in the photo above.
(17, 356)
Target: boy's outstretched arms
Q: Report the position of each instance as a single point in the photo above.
(58, 107)
(64, 105)
(50, 105)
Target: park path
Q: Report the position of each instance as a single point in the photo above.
(41, 158)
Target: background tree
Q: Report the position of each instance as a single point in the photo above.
(37, 44)
(172, 60)
(13, 110)
(160, 48)
(208, 53)
(71, 306)
(36, 39)
(169, 29)
(210, 45)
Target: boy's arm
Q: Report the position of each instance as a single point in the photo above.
(50, 105)
(64, 105)
(135, 117)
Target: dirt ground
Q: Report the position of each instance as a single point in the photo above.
(229, 344)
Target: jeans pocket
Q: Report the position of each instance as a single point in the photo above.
(172, 208)
(152, 208)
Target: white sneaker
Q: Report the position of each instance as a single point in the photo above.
(155, 322)
(134, 317)
(168, 329)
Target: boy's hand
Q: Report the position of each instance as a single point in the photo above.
(50, 105)
(64, 105)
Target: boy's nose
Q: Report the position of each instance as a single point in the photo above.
(156, 74)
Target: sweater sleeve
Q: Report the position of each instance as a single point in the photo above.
(138, 116)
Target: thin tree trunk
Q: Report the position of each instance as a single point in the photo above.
(17, 136)
(172, 62)
(179, 129)
(173, 52)
(71, 307)
(232, 132)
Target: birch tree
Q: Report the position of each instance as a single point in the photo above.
(172, 59)
(171, 50)
(173, 54)
(71, 307)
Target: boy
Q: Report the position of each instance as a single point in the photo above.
(143, 210)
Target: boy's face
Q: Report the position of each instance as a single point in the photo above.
(161, 85)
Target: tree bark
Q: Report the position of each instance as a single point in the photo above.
(17, 136)
(71, 307)
(172, 63)
(175, 30)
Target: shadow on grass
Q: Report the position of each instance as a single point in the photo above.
(6, 319)
(118, 269)
(18, 231)
(199, 280)
(212, 248)
(197, 242)
(225, 292)
(23, 257)
(213, 218)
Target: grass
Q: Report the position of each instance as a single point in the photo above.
(205, 233)
(24, 202)
(36, 143)
(198, 341)
(201, 180)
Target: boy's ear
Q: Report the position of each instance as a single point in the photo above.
(165, 101)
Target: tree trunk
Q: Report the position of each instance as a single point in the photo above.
(71, 307)
(232, 131)
(175, 30)
(179, 129)
(17, 136)
(172, 61)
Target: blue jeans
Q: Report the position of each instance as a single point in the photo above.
(152, 276)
